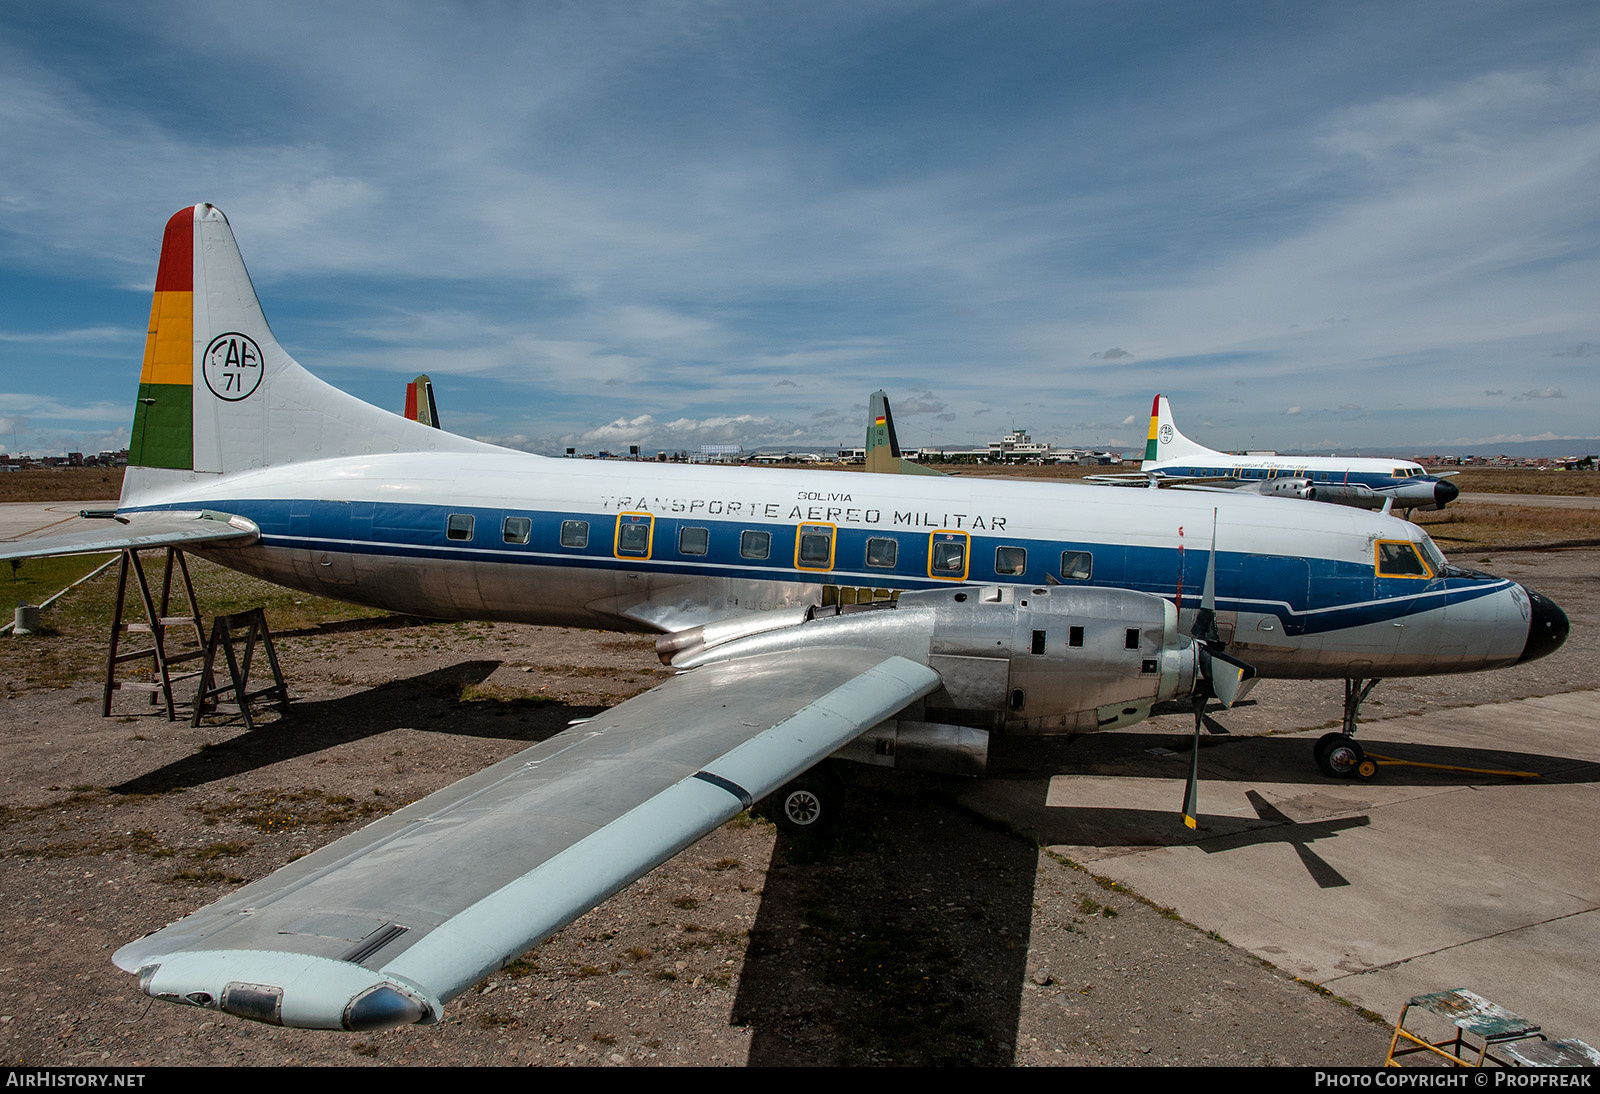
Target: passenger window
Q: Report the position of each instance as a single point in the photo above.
(947, 555)
(813, 549)
(633, 534)
(693, 541)
(881, 553)
(1076, 565)
(1010, 561)
(516, 529)
(575, 533)
(459, 526)
(755, 544)
(1398, 558)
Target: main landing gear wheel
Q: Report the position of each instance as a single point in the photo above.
(809, 803)
(1341, 758)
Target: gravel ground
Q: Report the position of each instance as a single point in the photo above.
(916, 934)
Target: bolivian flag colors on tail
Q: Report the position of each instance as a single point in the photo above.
(1155, 418)
(163, 420)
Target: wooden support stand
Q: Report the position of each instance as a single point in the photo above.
(237, 685)
(159, 621)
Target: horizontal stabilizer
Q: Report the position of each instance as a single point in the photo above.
(139, 531)
(385, 925)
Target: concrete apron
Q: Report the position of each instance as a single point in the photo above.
(1416, 881)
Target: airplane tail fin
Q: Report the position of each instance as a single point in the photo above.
(420, 405)
(219, 395)
(1165, 442)
(883, 447)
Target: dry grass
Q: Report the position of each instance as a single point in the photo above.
(1496, 480)
(83, 617)
(66, 484)
(1467, 525)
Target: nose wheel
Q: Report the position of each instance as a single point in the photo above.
(1341, 758)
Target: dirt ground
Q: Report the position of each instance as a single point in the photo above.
(916, 934)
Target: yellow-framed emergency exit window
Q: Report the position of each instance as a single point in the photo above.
(634, 534)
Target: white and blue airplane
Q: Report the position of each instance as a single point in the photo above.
(893, 619)
(1344, 480)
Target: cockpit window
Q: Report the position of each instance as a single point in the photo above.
(1430, 552)
(1399, 558)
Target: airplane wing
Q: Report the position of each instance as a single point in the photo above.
(1124, 478)
(382, 927)
(139, 531)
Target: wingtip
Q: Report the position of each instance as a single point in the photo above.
(282, 989)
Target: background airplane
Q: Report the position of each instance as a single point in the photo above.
(903, 619)
(883, 447)
(1344, 480)
(420, 405)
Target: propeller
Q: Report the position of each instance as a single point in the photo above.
(1224, 675)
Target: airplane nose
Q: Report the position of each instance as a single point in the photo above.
(1547, 628)
(1445, 492)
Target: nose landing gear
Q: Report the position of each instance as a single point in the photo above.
(1337, 753)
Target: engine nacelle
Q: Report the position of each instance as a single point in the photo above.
(1286, 488)
(1357, 494)
(1030, 660)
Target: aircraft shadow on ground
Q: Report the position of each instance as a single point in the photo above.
(1277, 760)
(432, 702)
(1263, 761)
(355, 626)
(902, 938)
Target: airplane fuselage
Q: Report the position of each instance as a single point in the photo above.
(1364, 483)
(659, 547)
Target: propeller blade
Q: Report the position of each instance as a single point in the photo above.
(1205, 619)
(1225, 674)
(1191, 793)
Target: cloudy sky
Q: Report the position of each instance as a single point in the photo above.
(1312, 225)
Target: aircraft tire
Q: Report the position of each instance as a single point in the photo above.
(809, 803)
(1340, 757)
